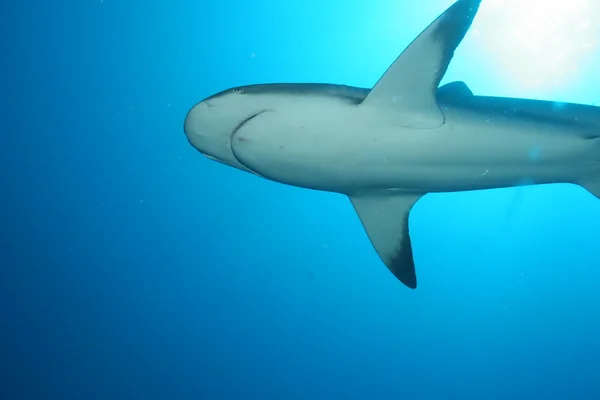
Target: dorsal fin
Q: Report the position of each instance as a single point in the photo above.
(457, 88)
(409, 86)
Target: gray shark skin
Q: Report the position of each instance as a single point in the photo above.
(388, 146)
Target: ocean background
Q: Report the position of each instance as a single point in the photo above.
(131, 267)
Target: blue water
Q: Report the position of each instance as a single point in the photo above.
(134, 268)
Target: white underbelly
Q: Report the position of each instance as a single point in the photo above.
(355, 152)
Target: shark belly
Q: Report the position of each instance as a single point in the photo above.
(315, 144)
(474, 151)
(342, 148)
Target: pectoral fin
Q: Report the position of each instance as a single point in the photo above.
(385, 219)
(454, 89)
(408, 88)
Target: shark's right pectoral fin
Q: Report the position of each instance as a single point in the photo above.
(385, 219)
(408, 88)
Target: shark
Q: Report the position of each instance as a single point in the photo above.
(386, 147)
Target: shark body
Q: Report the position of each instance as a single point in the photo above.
(388, 146)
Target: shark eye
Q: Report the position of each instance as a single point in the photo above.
(238, 90)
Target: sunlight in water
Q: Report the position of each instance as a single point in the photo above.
(539, 42)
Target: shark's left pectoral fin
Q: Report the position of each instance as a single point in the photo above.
(385, 219)
(408, 87)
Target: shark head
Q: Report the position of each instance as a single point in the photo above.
(210, 124)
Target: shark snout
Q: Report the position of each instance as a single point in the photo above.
(194, 118)
(208, 129)
(198, 127)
